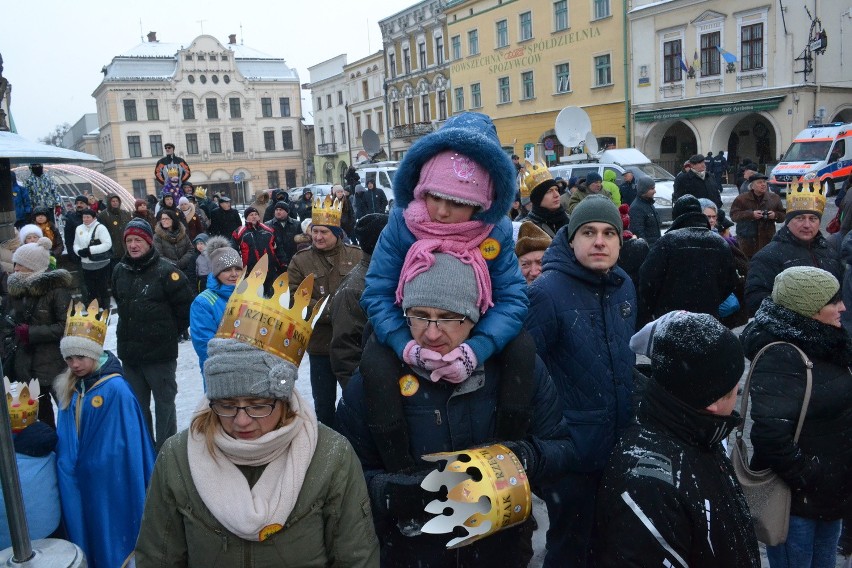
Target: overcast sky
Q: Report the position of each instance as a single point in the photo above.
(53, 50)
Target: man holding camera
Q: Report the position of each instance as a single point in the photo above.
(756, 212)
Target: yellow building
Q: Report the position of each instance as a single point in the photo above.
(522, 61)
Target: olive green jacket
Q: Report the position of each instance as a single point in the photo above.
(331, 523)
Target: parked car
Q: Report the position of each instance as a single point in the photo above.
(318, 190)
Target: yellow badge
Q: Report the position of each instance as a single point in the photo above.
(175, 276)
(489, 248)
(268, 531)
(408, 385)
(98, 401)
(115, 222)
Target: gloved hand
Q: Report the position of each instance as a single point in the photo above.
(84, 253)
(22, 333)
(459, 365)
(399, 496)
(526, 454)
(417, 356)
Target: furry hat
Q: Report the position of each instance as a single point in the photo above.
(27, 230)
(221, 255)
(531, 238)
(35, 256)
(474, 135)
(80, 346)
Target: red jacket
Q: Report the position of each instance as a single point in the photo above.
(253, 241)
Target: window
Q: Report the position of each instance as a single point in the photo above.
(153, 109)
(380, 124)
(331, 129)
(269, 140)
(234, 104)
(560, 15)
(528, 85)
(672, 70)
(340, 97)
(475, 96)
(139, 189)
(156, 142)
(709, 54)
(129, 110)
(290, 178)
(358, 130)
(406, 60)
(215, 143)
(603, 70)
(322, 135)
(365, 89)
(237, 139)
(751, 47)
(504, 92)
(284, 105)
(328, 100)
(319, 103)
(425, 116)
(192, 143)
(343, 133)
(601, 9)
(526, 26)
(442, 105)
(212, 109)
(287, 139)
(563, 78)
(272, 179)
(409, 110)
(439, 50)
(396, 113)
(369, 121)
(392, 64)
(455, 47)
(188, 109)
(473, 42)
(459, 95)
(266, 107)
(502, 33)
(421, 54)
(134, 147)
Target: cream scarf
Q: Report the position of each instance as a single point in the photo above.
(257, 512)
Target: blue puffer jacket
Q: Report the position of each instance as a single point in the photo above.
(205, 315)
(582, 322)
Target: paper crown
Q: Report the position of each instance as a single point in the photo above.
(488, 492)
(88, 323)
(172, 171)
(271, 324)
(806, 194)
(22, 400)
(327, 211)
(534, 174)
(200, 192)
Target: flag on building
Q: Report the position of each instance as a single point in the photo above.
(696, 63)
(683, 66)
(728, 57)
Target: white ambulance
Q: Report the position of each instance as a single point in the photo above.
(824, 149)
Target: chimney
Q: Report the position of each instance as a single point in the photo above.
(152, 37)
(232, 39)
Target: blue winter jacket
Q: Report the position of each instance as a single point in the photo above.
(498, 325)
(205, 315)
(582, 322)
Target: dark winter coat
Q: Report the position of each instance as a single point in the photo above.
(628, 191)
(819, 468)
(689, 268)
(644, 220)
(41, 302)
(582, 322)
(370, 201)
(303, 208)
(73, 219)
(846, 286)
(277, 195)
(253, 241)
(115, 220)
(548, 221)
(785, 251)
(759, 232)
(174, 246)
(347, 217)
(285, 234)
(348, 324)
(688, 183)
(443, 417)
(224, 223)
(740, 317)
(153, 299)
(632, 255)
(670, 497)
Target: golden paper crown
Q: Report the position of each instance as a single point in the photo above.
(22, 400)
(498, 500)
(201, 192)
(806, 194)
(271, 324)
(534, 174)
(327, 211)
(88, 323)
(172, 171)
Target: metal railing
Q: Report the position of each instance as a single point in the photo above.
(412, 130)
(327, 149)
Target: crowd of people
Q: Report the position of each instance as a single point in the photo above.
(534, 335)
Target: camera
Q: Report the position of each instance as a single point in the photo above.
(764, 214)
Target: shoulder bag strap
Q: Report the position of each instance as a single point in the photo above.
(94, 232)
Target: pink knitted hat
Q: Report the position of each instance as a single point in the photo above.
(456, 177)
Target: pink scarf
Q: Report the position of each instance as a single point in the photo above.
(460, 240)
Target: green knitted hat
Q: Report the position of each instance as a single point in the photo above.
(804, 289)
(595, 209)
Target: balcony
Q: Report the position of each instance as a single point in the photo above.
(327, 149)
(412, 130)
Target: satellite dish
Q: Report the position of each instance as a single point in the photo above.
(591, 142)
(371, 142)
(572, 124)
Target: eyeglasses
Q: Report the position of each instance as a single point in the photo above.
(422, 324)
(252, 411)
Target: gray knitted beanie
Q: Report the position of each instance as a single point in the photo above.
(804, 289)
(595, 209)
(235, 369)
(448, 285)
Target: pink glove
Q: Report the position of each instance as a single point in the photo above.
(417, 356)
(461, 362)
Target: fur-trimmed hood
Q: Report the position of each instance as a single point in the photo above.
(172, 237)
(40, 284)
(474, 135)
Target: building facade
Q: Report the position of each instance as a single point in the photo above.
(365, 80)
(742, 78)
(83, 136)
(523, 61)
(233, 113)
(328, 87)
(416, 70)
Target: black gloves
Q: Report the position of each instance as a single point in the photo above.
(400, 497)
(84, 253)
(527, 455)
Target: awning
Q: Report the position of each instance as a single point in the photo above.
(713, 109)
(19, 150)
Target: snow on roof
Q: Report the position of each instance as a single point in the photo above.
(266, 69)
(124, 68)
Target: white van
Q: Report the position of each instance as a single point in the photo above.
(380, 173)
(824, 149)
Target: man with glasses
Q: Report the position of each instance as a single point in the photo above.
(440, 307)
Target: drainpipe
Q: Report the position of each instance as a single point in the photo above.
(624, 31)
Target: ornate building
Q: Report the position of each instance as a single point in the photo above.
(331, 134)
(366, 105)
